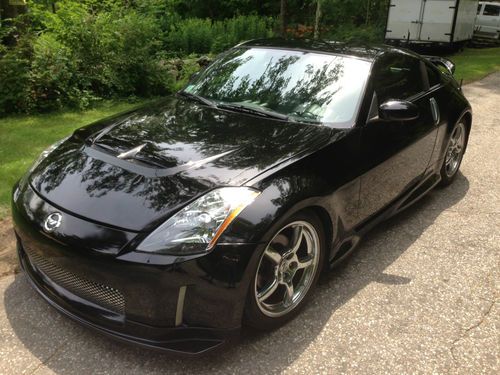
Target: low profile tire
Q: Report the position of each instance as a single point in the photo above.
(287, 272)
(454, 154)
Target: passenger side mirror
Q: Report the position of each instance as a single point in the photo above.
(398, 110)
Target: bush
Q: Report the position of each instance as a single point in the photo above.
(80, 57)
(90, 50)
(201, 36)
(232, 31)
(133, 57)
(14, 77)
(52, 75)
(356, 34)
(192, 35)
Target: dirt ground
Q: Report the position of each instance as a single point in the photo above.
(8, 257)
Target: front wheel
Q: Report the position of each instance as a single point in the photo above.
(287, 272)
(454, 154)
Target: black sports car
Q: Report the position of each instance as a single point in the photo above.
(173, 225)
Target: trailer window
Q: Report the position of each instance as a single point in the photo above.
(491, 10)
(398, 77)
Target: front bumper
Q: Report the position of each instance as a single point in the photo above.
(186, 307)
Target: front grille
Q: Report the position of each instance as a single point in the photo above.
(101, 295)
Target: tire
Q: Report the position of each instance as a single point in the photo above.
(454, 154)
(287, 272)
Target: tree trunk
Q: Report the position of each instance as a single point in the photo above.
(7, 10)
(283, 18)
(317, 20)
(368, 6)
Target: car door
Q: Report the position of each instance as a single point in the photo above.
(396, 153)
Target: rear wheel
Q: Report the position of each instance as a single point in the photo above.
(287, 272)
(454, 154)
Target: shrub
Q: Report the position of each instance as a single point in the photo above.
(81, 57)
(192, 35)
(356, 34)
(14, 77)
(188, 67)
(201, 36)
(232, 31)
(133, 59)
(52, 75)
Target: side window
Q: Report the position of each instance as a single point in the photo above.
(491, 10)
(434, 76)
(398, 77)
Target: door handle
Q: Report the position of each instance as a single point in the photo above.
(435, 111)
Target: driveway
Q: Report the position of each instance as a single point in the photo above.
(420, 295)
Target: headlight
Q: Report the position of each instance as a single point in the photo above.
(197, 227)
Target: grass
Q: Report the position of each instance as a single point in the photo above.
(476, 63)
(23, 138)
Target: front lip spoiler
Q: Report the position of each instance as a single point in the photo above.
(197, 341)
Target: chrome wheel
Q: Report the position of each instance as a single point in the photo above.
(455, 150)
(287, 269)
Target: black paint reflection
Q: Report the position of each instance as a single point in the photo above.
(189, 149)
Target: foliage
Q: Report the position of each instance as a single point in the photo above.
(183, 70)
(51, 76)
(196, 35)
(14, 77)
(80, 56)
(190, 35)
(58, 53)
(232, 31)
(364, 34)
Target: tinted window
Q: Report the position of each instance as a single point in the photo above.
(303, 85)
(434, 77)
(398, 77)
(491, 10)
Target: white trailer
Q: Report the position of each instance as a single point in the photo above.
(431, 22)
(488, 20)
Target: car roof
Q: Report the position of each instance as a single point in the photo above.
(362, 51)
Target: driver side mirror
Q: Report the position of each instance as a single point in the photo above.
(398, 110)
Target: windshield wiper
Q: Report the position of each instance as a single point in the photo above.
(253, 111)
(301, 120)
(197, 98)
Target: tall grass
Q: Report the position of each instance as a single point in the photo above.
(195, 35)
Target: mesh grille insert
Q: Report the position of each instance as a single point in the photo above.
(101, 295)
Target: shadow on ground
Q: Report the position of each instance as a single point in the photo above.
(65, 347)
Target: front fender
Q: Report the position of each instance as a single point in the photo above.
(287, 194)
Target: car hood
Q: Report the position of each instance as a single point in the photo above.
(136, 169)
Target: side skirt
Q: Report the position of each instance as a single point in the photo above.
(343, 249)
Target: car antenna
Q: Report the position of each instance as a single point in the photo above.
(408, 39)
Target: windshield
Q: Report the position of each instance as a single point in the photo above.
(305, 86)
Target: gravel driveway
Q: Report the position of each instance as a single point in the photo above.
(421, 295)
